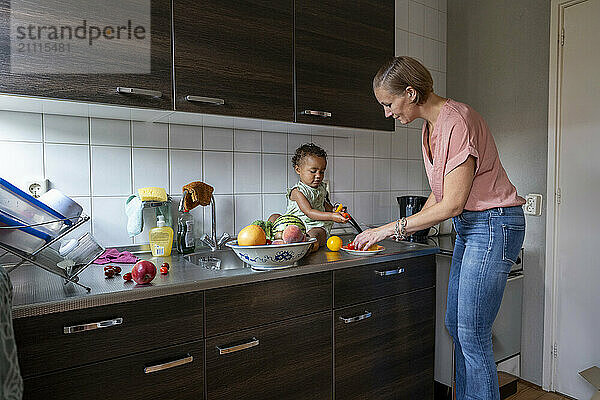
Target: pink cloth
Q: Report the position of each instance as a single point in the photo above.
(113, 256)
(459, 132)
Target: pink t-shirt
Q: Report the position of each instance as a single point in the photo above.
(459, 132)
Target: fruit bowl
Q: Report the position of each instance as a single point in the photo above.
(271, 256)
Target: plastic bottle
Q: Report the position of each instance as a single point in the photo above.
(185, 233)
(161, 238)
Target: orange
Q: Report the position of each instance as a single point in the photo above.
(252, 235)
(334, 243)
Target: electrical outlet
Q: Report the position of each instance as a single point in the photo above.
(533, 204)
(37, 187)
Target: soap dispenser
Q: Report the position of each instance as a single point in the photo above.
(161, 238)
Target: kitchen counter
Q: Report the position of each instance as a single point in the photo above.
(37, 292)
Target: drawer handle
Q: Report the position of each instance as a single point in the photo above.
(366, 315)
(390, 272)
(208, 100)
(92, 326)
(324, 114)
(155, 368)
(138, 91)
(237, 347)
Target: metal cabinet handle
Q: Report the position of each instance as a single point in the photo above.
(208, 100)
(237, 347)
(92, 326)
(390, 272)
(366, 315)
(159, 367)
(324, 114)
(138, 91)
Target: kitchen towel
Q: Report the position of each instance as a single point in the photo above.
(134, 209)
(114, 256)
(196, 194)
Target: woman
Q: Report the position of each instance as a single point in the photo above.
(470, 185)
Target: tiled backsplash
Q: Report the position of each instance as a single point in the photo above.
(100, 162)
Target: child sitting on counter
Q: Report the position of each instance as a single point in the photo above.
(308, 199)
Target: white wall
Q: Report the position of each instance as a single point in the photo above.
(100, 162)
(498, 63)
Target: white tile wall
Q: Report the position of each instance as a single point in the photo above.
(102, 161)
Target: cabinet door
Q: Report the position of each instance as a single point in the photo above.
(141, 68)
(385, 349)
(234, 57)
(55, 341)
(289, 360)
(339, 48)
(170, 373)
(360, 284)
(238, 307)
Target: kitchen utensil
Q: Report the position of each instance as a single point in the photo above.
(28, 210)
(410, 205)
(364, 252)
(272, 256)
(340, 207)
(65, 205)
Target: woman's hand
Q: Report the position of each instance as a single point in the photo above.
(339, 218)
(370, 237)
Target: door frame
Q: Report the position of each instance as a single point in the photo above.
(552, 185)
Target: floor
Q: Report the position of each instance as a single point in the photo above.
(529, 391)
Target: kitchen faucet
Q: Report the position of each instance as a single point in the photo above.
(212, 241)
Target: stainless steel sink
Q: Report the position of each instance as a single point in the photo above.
(216, 260)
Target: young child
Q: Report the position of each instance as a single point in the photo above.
(308, 199)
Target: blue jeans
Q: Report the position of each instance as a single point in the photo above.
(487, 245)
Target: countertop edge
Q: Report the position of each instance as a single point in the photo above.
(141, 293)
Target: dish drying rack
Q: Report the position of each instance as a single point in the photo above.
(49, 259)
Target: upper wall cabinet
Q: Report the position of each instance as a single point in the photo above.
(115, 52)
(339, 46)
(234, 57)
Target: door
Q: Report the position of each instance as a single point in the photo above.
(339, 49)
(234, 57)
(156, 374)
(578, 219)
(384, 348)
(123, 57)
(289, 360)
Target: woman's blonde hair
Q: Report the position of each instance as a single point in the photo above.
(400, 72)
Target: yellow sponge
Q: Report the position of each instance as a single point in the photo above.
(152, 194)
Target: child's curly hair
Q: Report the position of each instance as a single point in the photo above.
(307, 149)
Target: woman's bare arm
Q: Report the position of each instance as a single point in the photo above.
(457, 187)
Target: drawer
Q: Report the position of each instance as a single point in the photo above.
(291, 360)
(359, 284)
(136, 326)
(168, 373)
(244, 306)
(384, 349)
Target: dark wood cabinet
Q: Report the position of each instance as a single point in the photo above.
(276, 339)
(141, 86)
(360, 284)
(55, 341)
(238, 307)
(175, 372)
(234, 58)
(384, 349)
(339, 46)
(289, 360)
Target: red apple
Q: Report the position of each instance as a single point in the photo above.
(143, 272)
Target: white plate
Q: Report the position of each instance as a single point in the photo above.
(363, 252)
